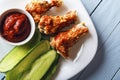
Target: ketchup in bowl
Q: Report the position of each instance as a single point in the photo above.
(16, 27)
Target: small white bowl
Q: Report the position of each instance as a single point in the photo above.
(32, 23)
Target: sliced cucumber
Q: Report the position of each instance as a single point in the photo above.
(51, 73)
(18, 53)
(52, 69)
(40, 66)
(26, 63)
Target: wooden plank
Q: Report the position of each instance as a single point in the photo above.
(106, 19)
(1, 76)
(117, 75)
(90, 5)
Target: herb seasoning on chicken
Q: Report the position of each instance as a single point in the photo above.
(64, 40)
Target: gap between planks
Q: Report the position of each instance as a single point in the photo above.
(119, 67)
(96, 7)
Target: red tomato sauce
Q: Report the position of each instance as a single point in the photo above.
(16, 27)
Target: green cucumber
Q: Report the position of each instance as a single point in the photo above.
(52, 69)
(26, 63)
(40, 66)
(18, 53)
(52, 72)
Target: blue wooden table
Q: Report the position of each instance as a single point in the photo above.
(106, 18)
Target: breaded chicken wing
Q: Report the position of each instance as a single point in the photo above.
(52, 24)
(64, 40)
(37, 7)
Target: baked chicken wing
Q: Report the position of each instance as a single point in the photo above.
(37, 7)
(52, 24)
(64, 40)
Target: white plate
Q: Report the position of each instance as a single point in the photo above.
(80, 55)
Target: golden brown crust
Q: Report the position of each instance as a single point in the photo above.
(37, 7)
(52, 24)
(64, 40)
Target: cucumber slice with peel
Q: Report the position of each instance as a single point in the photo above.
(49, 74)
(40, 66)
(25, 64)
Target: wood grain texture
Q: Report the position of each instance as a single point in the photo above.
(91, 5)
(106, 63)
(117, 75)
(1, 76)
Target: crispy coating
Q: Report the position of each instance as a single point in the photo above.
(37, 7)
(64, 40)
(52, 24)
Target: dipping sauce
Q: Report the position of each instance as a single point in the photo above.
(16, 27)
